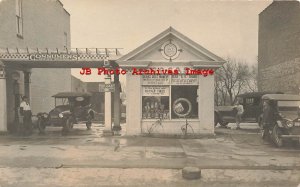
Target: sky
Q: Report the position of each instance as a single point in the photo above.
(226, 28)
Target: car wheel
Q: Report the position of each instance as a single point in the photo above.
(41, 125)
(276, 133)
(224, 124)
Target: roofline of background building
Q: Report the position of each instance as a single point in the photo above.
(63, 7)
(274, 1)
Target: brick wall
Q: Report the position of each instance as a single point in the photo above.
(279, 43)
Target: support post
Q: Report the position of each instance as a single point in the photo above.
(27, 74)
(3, 103)
(107, 110)
(117, 106)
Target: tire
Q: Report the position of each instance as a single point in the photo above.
(41, 125)
(187, 112)
(191, 173)
(223, 124)
(276, 132)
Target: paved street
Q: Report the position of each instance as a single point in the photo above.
(86, 158)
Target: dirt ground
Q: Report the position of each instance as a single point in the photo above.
(87, 158)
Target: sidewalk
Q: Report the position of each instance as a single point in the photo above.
(232, 155)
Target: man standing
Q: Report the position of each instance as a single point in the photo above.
(25, 111)
(240, 111)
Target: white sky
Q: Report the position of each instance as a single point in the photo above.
(226, 28)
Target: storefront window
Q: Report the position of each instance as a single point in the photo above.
(169, 97)
(155, 107)
(155, 102)
(184, 102)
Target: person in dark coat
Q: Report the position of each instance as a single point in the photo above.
(270, 113)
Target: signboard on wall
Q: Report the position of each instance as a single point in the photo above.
(156, 79)
(52, 56)
(156, 91)
(184, 80)
(107, 87)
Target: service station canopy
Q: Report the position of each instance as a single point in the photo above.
(55, 58)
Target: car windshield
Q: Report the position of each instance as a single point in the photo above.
(288, 105)
(61, 101)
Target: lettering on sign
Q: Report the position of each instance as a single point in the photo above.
(109, 87)
(52, 56)
(156, 91)
(156, 79)
(184, 80)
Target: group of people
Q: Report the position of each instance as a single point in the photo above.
(270, 113)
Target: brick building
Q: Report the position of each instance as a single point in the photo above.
(279, 47)
(34, 24)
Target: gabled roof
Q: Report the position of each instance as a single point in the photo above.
(178, 35)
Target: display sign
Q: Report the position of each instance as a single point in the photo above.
(52, 56)
(156, 91)
(109, 87)
(156, 79)
(184, 80)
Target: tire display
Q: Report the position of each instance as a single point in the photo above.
(182, 107)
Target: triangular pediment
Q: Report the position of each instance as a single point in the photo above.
(171, 46)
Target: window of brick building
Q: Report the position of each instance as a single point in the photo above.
(19, 17)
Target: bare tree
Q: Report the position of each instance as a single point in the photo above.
(252, 79)
(233, 78)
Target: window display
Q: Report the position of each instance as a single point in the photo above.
(155, 107)
(169, 97)
(184, 102)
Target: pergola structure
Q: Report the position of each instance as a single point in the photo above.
(25, 59)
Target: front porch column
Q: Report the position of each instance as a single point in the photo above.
(27, 74)
(107, 110)
(117, 105)
(3, 107)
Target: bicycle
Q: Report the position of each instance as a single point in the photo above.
(184, 128)
(157, 123)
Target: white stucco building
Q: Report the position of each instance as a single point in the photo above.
(170, 97)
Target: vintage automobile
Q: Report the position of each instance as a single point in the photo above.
(284, 123)
(252, 109)
(70, 108)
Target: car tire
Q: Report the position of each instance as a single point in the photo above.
(276, 132)
(41, 125)
(223, 124)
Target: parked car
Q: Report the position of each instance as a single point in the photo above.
(285, 121)
(70, 108)
(252, 109)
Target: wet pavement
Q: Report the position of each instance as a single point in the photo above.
(86, 158)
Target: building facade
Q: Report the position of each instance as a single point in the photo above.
(279, 47)
(171, 97)
(34, 24)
